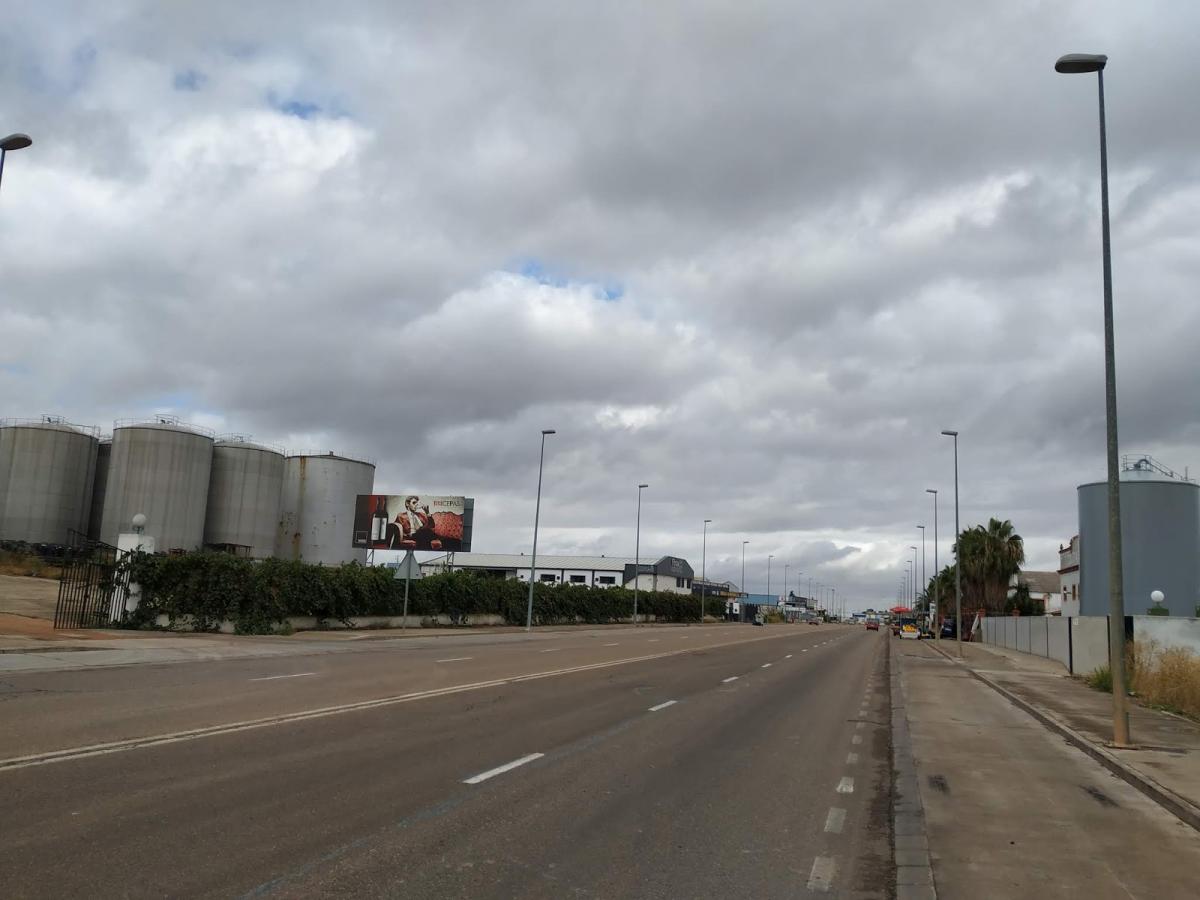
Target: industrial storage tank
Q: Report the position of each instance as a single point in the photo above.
(47, 467)
(316, 521)
(243, 497)
(99, 487)
(1160, 539)
(161, 468)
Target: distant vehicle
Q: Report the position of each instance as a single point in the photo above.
(814, 621)
(872, 624)
(948, 629)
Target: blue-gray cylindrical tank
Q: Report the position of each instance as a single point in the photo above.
(46, 473)
(243, 497)
(161, 469)
(316, 513)
(1160, 540)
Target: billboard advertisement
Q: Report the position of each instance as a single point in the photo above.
(413, 522)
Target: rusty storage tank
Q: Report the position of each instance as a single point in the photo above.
(316, 519)
(243, 497)
(47, 467)
(1160, 536)
(161, 468)
(99, 487)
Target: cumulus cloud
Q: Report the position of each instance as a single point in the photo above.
(757, 255)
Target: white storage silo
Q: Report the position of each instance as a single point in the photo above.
(1160, 540)
(243, 497)
(161, 468)
(99, 488)
(316, 520)
(47, 467)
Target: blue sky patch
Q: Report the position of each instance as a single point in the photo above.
(189, 80)
(536, 270)
(295, 106)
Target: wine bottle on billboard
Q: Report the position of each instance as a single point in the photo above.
(379, 521)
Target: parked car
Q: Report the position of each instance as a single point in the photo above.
(948, 629)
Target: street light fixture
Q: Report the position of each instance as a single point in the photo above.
(957, 553)
(12, 142)
(703, 568)
(637, 553)
(537, 514)
(937, 600)
(924, 575)
(1073, 64)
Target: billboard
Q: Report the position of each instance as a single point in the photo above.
(413, 522)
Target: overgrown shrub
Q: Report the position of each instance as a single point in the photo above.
(1101, 679)
(200, 590)
(1168, 678)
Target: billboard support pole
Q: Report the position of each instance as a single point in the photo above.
(409, 561)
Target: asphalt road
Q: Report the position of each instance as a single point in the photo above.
(709, 762)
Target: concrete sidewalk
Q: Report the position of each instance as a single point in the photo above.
(1168, 754)
(1014, 811)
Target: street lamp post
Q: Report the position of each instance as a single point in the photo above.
(914, 577)
(12, 142)
(703, 568)
(957, 553)
(537, 514)
(770, 556)
(924, 575)
(937, 600)
(1071, 64)
(637, 553)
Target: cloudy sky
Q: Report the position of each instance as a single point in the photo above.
(756, 254)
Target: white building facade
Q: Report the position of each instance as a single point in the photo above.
(1068, 577)
(667, 574)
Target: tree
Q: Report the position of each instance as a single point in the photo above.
(991, 555)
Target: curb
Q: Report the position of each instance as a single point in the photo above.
(1180, 807)
(914, 869)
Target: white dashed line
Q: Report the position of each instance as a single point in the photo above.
(851, 759)
(730, 678)
(613, 645)
(652, 641)
(765, 666)
(662, 705)
(789, 656)
(856, 739)
(551, 650)
(821, 876)
(500, 770)
(455, 659)
(835, 820)
(274, 677)
(805, 650)
(846, 786)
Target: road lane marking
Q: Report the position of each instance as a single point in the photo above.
(856, 739)
(846, 785)
(274, 677)
(455, 659)
(765, 666)
(613, 645)
(851, 759)
(652, 641)
(662, 706)
(789, 656)
(805, 650)
(821, 876)
(551, 650)
(835, 821)
(156, 740)
(500, 770)
(730, 678)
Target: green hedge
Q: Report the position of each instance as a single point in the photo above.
(204, 589)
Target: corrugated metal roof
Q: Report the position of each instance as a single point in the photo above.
(522, 560)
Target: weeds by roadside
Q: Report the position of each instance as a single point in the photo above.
(1167, 679)
(28, 565)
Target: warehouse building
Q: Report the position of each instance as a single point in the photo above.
(670, 573)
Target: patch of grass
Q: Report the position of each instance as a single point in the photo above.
(27, 565)
(1101, 679)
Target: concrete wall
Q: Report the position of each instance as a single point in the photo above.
(1089, 641)
(1080, 644)
(1168, 631)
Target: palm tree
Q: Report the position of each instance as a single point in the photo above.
(991, 555)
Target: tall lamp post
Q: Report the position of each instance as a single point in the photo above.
(637, 553)
(937, 600)
(1073, 64)
(12, 142)
(770, 556)
(924, 576)
(957, 553)
(537, 514)
(914, 577)
(786, 566)
(703, 568)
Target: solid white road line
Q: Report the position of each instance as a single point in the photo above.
(765, 666)
(846, 786)
(455, 659)
(856, 739)
(730, 678)
(274, 677)
(851, 759)
(821, 876)
(500, 770)
(662, 706)
(835, 821)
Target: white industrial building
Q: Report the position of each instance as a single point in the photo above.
(1068, 576)
(670, 573)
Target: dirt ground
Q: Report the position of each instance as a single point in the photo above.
(30, 597)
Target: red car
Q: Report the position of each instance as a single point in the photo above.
(872, 624)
